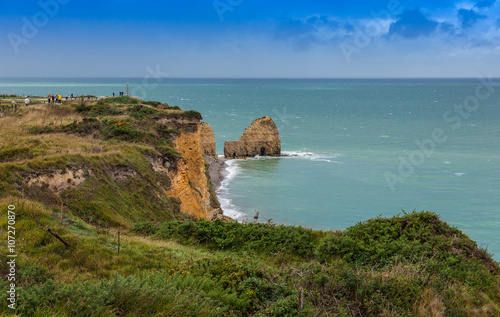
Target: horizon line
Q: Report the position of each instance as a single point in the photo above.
(233, 78)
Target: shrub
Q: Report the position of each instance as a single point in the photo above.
(122, 100)
(102, 109)
(121, 130)
(144, 228)
(81, 106)
(42, 130)
(85, 127)
(141, 112)
(192, 114)
(10, 155)
(414, 238)
(152, 103)
(257, 237)
(114, 296)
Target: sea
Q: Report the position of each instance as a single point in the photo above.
(355, 148)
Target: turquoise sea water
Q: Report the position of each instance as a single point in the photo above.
(347, 137)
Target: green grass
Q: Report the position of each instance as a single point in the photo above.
(197, 268)
(122, 100)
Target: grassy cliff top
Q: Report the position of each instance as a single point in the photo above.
(106, 144)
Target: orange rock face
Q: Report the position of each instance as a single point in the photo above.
(260, 138)
(190, 180)
(207, 140)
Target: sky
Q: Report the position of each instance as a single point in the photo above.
(250, 39)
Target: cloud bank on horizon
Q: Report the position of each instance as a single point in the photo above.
(242, 38)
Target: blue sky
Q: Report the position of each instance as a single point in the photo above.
(243, 38)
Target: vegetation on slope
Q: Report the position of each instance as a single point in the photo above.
(200, 268)
(131, 253)
(109, 140)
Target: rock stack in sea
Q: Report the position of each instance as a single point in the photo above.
(260, 138)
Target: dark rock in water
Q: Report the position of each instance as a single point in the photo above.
(260, 138)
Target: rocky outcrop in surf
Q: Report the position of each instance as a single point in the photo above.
(260, 138)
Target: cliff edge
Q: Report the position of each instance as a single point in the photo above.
(191, 181)
(260, 138)
(110, 163)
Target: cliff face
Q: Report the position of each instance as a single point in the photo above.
(190, 179)
(260, 138)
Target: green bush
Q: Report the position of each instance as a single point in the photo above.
(414, 238)
(139, 295)
(43, 130)
(85, 127)
(141, 112)
(384, 241)
(10, 155)
(257, 237)
(121, 130)
(122, 100)
(192, 114)
(152, 103)
(101, 108)
(144, 228)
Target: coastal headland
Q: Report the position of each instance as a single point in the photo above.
(113, 209)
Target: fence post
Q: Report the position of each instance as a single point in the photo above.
(301, 299)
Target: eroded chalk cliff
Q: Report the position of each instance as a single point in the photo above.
(260, 138)
(207, 140)
(191, 182)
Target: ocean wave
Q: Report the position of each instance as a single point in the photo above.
(226, 203)
(316, 157)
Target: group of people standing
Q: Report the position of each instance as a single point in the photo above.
(57, 98)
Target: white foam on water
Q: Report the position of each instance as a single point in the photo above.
(316, 157)
(459, 174)
(226, 203)
(233, 169)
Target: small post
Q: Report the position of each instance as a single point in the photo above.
(118, 242)
(128, 95)
(301, 299)
(58, 237)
